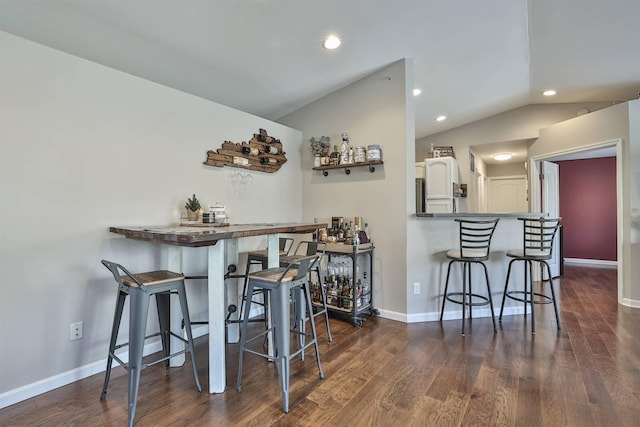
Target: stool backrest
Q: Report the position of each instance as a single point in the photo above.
(309, 247)
(538, 235)
(285, 244)
(118, 270)
(302, 265)
(475, 237)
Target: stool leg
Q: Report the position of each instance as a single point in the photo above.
(280, 323)
(163, 303)
(243, 338)
(323, 295)
(446, 287)
(464, 295)
(299, 325)
(468, 265)
(182, 295)
(307, 292)
(506, 285)
(553, 295)
(532, 301)
(139, 309)
(493, 317)
(117, 317)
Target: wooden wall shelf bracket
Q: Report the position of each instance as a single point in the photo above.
(258, 158)
(347, 168)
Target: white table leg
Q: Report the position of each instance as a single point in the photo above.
(273, 260)
(217, 314)
(174, 263)
(232, 297)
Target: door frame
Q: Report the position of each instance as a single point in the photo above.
(535, 189)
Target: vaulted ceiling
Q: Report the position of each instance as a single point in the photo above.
(473, 59)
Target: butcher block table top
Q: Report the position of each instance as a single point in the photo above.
(207, 236)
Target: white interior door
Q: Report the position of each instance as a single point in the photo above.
(508, 194)
(481, 192)
(550, 186)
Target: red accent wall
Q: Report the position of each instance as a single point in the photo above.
(588, 208)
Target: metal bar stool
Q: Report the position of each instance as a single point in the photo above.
(141, 287)
(312, 248)
(260, 258)
(537, 246)
(474, 245)
(281, 282)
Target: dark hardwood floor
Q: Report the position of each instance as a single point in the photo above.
(390, 373)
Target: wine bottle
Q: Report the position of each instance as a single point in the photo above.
(268, 160)
(250, 151)
(271, 150)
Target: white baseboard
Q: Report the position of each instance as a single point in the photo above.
(633, 303)
(448, 315)
(591, 262)
(47, 384)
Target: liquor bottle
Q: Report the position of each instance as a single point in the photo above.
(271, 150)
(250, 151)
(268, 160)
(334, 156)
(351, 159)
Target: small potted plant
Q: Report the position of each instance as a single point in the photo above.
(193, 208)
(319, 148)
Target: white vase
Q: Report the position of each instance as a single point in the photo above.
(316, 161)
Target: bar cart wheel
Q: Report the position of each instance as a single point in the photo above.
(357, 323)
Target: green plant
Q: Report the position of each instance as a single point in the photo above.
(193, 204)
(320, 146)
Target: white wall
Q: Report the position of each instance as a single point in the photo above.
(519, 124)
(373, 110)
(83, 147)
(618, 121)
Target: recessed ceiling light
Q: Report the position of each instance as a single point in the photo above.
(502, 156)
(549, 92)
(417, 92)
(441, 118)
(331, 42)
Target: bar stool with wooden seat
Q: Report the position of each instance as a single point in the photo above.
(281, 283)
(261, 257)
(474, 246)
(307, 248)
(141, 287)
(537, 246)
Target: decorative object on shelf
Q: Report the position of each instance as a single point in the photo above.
(443, 151)
(344, 151)
(316, 161)
(374, 152)
(319, 146)
(193, 208)
(262, 153)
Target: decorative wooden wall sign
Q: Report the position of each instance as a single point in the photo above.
(262, 153)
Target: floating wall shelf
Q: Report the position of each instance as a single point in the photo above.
(347, 168)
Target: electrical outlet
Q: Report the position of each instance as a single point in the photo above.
(416, 288)
(75, 331)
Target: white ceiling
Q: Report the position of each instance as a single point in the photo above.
(473, 59)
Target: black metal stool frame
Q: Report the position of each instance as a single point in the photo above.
(538, 236)
(474, 248)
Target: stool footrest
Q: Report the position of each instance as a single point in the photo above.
(484, 299)
(546, 299)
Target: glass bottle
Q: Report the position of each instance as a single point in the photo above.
(334, 156)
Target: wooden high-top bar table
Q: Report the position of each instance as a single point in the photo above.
(221, 242)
